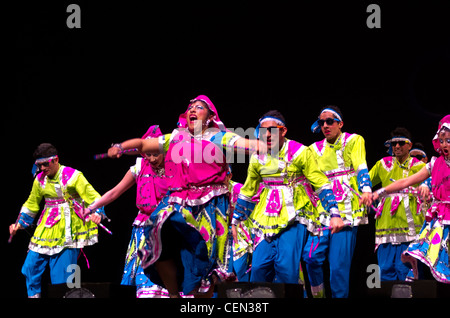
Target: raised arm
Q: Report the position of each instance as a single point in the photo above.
(142, 145)
(251, 145)
(398, 185)
(127, 182)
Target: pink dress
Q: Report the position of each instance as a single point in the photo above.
(432, 246)
(194, 213)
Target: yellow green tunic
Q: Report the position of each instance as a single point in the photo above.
(59, 226)
(287, 195)
(344, 163)
(400, 220)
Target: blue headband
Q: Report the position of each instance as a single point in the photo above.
(35, 170)
(315, 128)
(267, 118)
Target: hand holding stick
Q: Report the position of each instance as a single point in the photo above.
(377, 214)
(84, 214)
(105, 155)
(13, 230)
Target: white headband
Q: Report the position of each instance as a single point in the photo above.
(46, 159)
(419, 151)
(331, 111)
(278, 121)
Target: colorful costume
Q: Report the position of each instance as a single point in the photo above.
(401, 217)
(191, 221)
(344, 163)
(285, 210)
(242, 250)
(431, 248)
(152, 186)
(60, 231)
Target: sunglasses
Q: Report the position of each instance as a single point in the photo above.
(43, 163)
(330, 121)
(401, 143)
(265, 129)
(418, 157)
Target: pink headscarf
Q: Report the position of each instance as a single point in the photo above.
(182, 121)
(152, 132)
(444, 122)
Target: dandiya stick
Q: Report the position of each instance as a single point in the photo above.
(105, 228)
(15, 225)
(105, 155)
(101, 225)
(377, 214)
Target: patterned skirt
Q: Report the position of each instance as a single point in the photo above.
(431, 248)
(133, 273)
(196, 235)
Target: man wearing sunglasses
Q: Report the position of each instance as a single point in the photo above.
(60, 232)
(401, 220)
(418, 152)
(342, 158)
(285, 212)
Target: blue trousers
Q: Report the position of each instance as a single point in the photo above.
(339, 249)
(279, 260)
(35, 264)
(389, 260)
(240, 267)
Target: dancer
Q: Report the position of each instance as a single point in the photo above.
(61, 231)
(431, 247)
(285, 212)
(401, 219)
(188, 231)
(342, 157)
(148, 174)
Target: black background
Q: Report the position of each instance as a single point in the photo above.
(132, 65)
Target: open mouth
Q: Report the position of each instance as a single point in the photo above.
(446, 152)
(193, 117)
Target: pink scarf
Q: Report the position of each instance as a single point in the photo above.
(217, 123)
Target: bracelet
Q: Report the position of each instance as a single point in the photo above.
(381, 192)
(334, 213)
(235, 222)
(117, 146)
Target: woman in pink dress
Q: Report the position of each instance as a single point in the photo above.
(151, 183)
(187, 234)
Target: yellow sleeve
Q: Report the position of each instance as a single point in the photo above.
(164, 142)
(374, 174)
(84, 189)
(31, 206)
(251, 185)
(307, 164)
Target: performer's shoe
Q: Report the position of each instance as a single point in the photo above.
(209, 293)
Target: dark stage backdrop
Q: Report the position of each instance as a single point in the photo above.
(132, 65)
